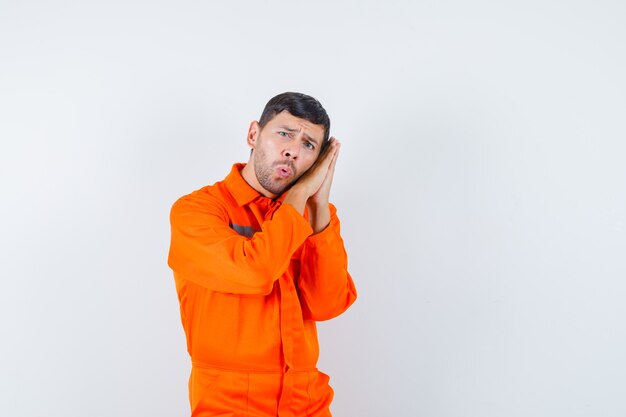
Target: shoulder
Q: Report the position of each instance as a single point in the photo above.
(211, 199)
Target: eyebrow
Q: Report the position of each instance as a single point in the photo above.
(289, 129)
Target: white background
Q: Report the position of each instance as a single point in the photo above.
(481, 188)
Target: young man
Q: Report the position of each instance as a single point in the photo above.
(257, 260)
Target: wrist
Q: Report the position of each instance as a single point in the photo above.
(319, 214)
(316, 203)
(297, 197)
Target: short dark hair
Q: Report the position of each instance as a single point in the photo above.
(299, 105)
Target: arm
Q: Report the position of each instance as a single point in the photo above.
(326, 288)
(206, 251)
(313, 189)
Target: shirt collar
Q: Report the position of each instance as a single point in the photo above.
(238, 187)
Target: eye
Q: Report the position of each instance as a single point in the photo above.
(283, 134)
(309, 146)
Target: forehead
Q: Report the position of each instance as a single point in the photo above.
(287, 119)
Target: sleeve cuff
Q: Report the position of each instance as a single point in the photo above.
(329, 234)
(301, 225)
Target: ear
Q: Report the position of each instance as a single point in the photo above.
(253, 134)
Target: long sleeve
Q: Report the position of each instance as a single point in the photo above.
(325, 286)
(207, 251)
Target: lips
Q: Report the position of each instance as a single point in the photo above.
(284, 171)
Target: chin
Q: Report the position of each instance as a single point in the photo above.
(282, 188)
(274, 188)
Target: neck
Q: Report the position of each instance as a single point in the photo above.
(249, 176)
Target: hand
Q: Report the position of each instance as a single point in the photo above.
(318, 204)
(322, 195)
(313, 188)
(317, 180)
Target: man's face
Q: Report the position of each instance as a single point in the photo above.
(284, 149)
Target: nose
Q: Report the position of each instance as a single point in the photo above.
(290, 152)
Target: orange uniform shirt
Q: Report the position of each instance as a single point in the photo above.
(252, 279)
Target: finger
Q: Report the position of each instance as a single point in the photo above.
(333, 148)
(333, 162)
(324, 160)
(329, 156)
(326, 148)
(322, 157)
(330, 173)
(336, 153)
(329, 149)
